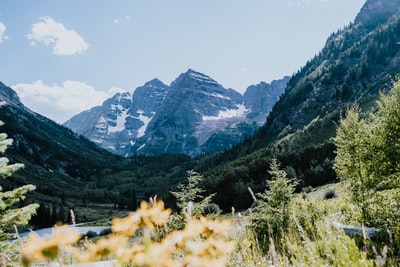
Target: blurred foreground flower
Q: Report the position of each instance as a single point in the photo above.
(38, 249)
(201, 243)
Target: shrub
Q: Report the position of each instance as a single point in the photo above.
(272, 215)
(106, 231)
(90, 234)
(330, 194)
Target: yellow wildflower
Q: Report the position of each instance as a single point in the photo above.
(103, 248)
(39, 249)
(147, 216)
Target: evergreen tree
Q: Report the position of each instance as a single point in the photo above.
(132, 203)
(10, 215)
(273, 213)
(189, 196)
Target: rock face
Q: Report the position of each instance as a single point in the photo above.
(195, 107)
(10, 96)
(194, 115)
(120, 119)
(376, 11)
(261, 98)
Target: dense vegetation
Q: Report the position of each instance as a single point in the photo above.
(11, 214)
(326, 128)
(70, 170)
(356, 64)
(281, 228)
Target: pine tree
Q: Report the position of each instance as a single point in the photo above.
(10, 215)
(189, 196)
(273, 213)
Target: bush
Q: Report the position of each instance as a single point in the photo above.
(273, 207)
(90, 234)
(106, 231)
(330, 194)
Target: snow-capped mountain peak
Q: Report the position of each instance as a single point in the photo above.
(180, 118)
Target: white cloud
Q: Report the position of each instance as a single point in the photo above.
(2, 32)
(51, 33)
(61, 102)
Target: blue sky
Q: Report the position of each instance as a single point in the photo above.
(65, 56)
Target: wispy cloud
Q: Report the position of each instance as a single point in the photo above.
(51, 33)
(121, 20)
(302, 2)
(61, 102)
(2, 32)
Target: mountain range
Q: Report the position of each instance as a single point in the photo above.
(194, 115)
(356, 64)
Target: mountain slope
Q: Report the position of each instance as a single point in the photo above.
(356, 64)
(194, 115)
(71, 172)
(120, 119)
(195, 107)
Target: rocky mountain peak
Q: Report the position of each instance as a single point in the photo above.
(9, 96)
(180, 118)
(154, 83)
(260, 98)
(375, 12)
(191, 77)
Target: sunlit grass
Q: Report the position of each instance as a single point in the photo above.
(145, 238)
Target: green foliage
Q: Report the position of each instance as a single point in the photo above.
(309, 239)
(327, 246)
(189, 198)
(273, 208)
(354, 147)
(10, 215)
(280, 188)
(330, 194)
(368, 158)
(6, 169)
(388, 126)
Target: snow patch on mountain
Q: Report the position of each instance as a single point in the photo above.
(229, 113)
(145, 121)
(120, 123)
(141, 147)
(218, 96)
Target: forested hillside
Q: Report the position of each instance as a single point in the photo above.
(68, 168)
(357, 63)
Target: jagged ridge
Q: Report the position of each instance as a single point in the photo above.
(194, 115)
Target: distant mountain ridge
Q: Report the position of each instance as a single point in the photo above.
(194, 115)
(355, 65)
(69, 169)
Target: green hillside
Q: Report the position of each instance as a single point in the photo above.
(357, 63)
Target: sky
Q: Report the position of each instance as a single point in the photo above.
(66, 56)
